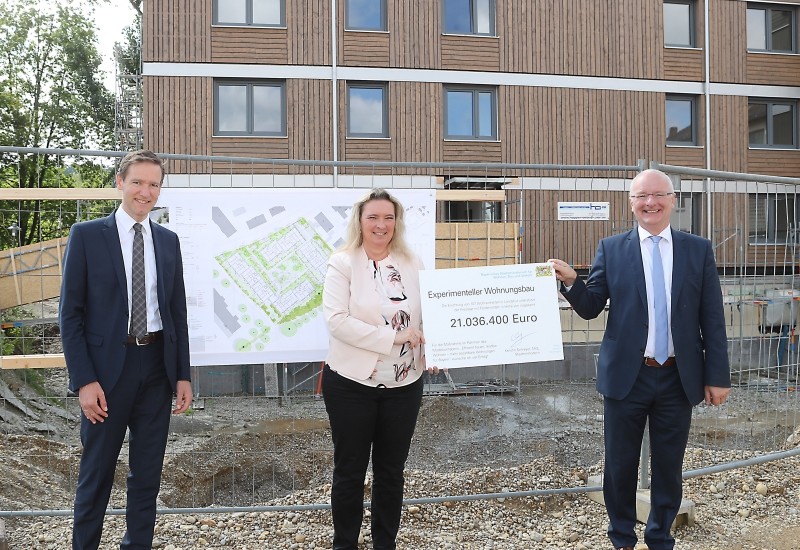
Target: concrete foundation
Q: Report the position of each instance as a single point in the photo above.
(685, 513)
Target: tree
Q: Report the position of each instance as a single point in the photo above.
(51, 95)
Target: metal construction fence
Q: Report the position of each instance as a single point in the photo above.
(258, 432)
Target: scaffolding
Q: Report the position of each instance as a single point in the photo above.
(128, 117)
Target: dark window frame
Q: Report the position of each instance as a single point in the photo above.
(385, 121)
(694, 119)
(250, 84)
(248, 16)
(768, 8)
(767, 214)
(770, 140)
(476, 90)
(692, 24)
(349, 27)
(473, 20)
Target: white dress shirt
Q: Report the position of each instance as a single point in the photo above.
(665, 247)
(126, 232)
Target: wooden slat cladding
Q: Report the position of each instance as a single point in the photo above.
(309, 32)
(693, 157)
(774, 162)
(415, 126)
(249, 45)
(729, 133)
(367, 150)
(309, 138)
(581, 37)
(728, 40)
(477, 53)
(773, 69)
(683, 64)
(769, 255)
(471, 151)
(414, 29)
(571, 126)
(308, 105)
(365, 49)
(178, 119)
(572, 241)
(187, 104)
(262, 147)
(177, 31)
(416, 119)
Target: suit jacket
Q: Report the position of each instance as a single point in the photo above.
(352, 310)
(697, 315)
(93, 311)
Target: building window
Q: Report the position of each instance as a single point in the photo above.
(256, 13)
(685, 217)
(679, 23)
(469, 17)
(680, 117)
(249, 108)
(772, 123)
(365, 15)
(771, 28)
(367, 112)
(773, 218)
(471, 113)
(473, 211)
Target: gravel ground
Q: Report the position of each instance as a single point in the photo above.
(257, 451)
(754, 508)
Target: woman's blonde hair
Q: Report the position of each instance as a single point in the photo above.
(355, 239)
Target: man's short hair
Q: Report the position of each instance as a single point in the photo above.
(142, 155)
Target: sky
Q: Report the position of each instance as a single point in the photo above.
(110, 19)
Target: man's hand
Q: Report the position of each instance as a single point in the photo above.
(564, 272)
(183, 396)
(92, 399)
(716, 396)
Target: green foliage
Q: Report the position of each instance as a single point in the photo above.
(129, 50)
(16, 340)
(51, 95)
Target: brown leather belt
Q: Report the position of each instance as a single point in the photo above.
(650, 362)
(148, 338)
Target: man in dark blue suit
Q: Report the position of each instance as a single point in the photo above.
(646, 372)
(125, 366)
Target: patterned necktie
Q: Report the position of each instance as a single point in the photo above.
(660, 305)
(138, 295)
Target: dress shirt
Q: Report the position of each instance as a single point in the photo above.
(665, 245)
(126, 232)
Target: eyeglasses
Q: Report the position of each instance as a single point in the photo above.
(656, 196)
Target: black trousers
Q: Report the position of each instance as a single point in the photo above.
(362, 419)
(656, 396)
(140, 402)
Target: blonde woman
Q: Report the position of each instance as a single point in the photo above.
(372, 382)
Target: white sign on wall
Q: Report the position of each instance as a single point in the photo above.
(583, 211)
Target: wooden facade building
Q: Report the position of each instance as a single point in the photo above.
(711, 84)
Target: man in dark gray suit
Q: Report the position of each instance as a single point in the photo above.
(126, 344)
(664, 350)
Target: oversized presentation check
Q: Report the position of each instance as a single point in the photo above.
(493, 315)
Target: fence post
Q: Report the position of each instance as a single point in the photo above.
(3, 540)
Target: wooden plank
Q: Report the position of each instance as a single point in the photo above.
(471, 195)
(60, 193)
(43, 361)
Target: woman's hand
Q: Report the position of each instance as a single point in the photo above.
(410, 336)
